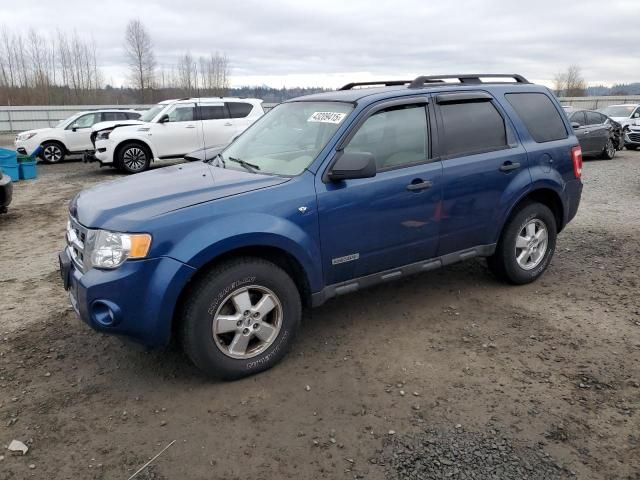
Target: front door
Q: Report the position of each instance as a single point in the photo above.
(180, 135)
(77, 135)
(374, 224)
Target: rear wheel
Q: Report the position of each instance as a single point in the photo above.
(52, 152)
(609, 150)
(240, 318)
(133, 158)
(526, 245)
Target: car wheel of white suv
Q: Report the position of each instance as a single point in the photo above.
(52, 152)
(133, 158)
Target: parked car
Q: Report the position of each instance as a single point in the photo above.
(6, 191)
(324, 195)
(69, 136)
(632, 136)
(597, 135)
(623, 114)
(174, 128)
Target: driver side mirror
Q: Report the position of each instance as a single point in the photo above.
(74, 127)
(636, 115)
(575, 125)
(164, 118)
(351, 165)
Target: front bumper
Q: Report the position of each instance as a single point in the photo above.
(136, 300)
(632, 137)
(104, 152)
(29, 145)
(6, 192)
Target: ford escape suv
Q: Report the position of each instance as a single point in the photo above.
(324, 195)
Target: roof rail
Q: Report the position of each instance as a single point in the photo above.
(470, 78)
(385, 83)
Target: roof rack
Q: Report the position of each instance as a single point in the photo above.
(384, 83)
(470, 78)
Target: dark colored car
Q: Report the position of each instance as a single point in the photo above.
(6, 191)
(324, 195)
(597, 134)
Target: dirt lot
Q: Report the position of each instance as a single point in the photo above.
(436, 370)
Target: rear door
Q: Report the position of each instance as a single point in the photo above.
(481, 159)
(180, 135)
(239, 116)
(216, 126)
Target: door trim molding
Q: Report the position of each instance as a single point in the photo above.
(367, 281)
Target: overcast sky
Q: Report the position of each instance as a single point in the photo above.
(329, 42)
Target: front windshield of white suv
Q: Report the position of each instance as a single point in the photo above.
(151, 113)
(288, 138)
(68, 120)
(618, 110)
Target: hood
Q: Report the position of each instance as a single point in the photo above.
(37, 130)
(114, 123)
(124, 204)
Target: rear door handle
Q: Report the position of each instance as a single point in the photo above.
(419, 185)
(190, 126)
(228, 124)
(509, 165)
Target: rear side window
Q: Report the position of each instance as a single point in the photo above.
(212, 111)
(239, 109)
(133, 115)
(472, 127)
(539, 115)
(113, 116)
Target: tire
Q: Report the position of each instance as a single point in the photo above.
(222, 298)
(504, 262)
(133, 157)
(609, 150)
(53, 152)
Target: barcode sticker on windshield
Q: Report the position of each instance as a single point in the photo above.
(327, 117)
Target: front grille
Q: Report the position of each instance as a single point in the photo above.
(634, 137)
(76, 238)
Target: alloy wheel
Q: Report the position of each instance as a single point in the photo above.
(531, 244)
(247, 322)
(134, 158)
(52, 153)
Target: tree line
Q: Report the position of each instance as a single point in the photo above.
(63, 68)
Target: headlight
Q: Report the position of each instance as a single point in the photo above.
(109, 250)
(26, 136)
(103, 135)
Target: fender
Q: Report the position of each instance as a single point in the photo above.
(206, 243)
(134, 138)
(512, 198)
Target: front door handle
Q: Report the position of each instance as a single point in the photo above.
(228, 124)
(190, 126)
(509, 165)
(419, 185)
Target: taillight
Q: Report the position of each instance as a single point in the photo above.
(576, 157)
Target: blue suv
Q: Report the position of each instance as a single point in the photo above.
(324, 195)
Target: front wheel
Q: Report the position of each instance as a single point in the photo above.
(609, 150)
(52, 152)
(526, 245)
(240, 318)
(133, 158)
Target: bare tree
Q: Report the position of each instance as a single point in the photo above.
(570, 83)
(142, 61)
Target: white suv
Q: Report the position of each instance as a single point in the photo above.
(70, 136)
(174, 128)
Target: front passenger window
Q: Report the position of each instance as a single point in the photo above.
(182, 113)
(395, 137)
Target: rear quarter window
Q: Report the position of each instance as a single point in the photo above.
(239, 109)
(540, 116)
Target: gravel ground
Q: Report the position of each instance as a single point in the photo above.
(451, 362)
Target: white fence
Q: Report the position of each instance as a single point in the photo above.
(18, 119)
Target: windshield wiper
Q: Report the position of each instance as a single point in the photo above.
(216, 156)
(248, 166)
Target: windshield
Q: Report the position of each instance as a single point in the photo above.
(68, 120)
(151, 113)
(618, 110)
(288, 138)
